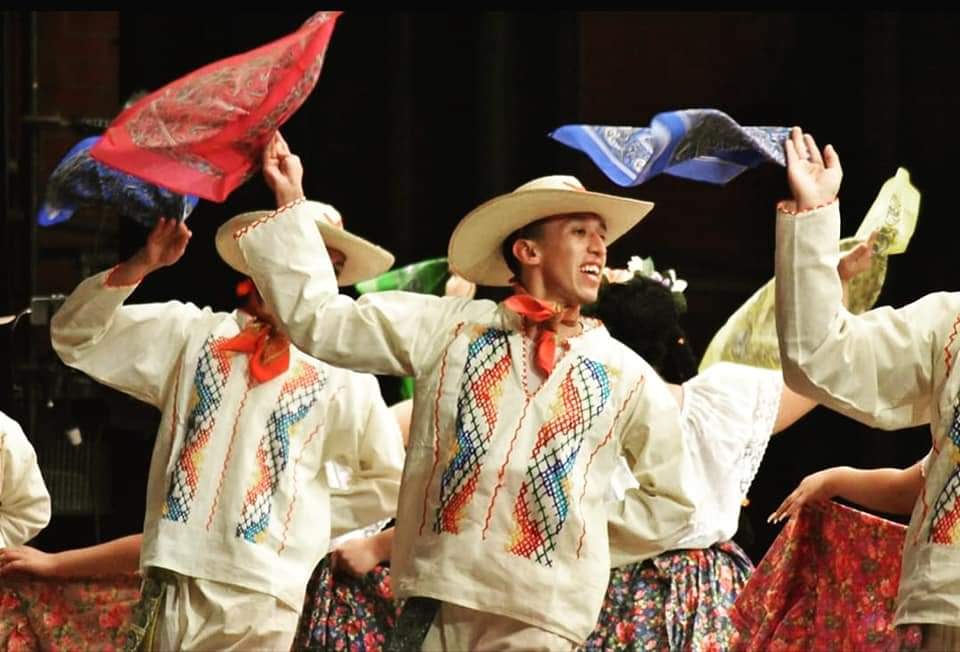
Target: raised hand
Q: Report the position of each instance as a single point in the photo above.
(165, 245)
(814, 179)
(282, 171)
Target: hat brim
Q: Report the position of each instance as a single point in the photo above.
(364, 260)
(475, 246)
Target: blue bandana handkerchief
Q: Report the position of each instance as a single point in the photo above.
(698, 144)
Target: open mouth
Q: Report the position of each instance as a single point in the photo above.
(591, 270)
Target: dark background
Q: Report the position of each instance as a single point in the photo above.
(419, 117)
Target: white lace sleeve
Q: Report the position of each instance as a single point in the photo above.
(729, 412)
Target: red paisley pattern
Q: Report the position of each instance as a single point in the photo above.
(203, 134)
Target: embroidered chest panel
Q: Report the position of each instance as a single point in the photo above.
(543, 502)
(487, 364)
(298, 395)
(206, 395)
(945, 522)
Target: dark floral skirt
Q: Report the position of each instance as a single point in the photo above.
(342, 612)
(678, 601)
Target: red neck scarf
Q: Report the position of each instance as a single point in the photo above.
(268, 352)
(548, 316)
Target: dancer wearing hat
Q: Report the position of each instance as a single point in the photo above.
(520, 410)
(239, 506)
(888, 368)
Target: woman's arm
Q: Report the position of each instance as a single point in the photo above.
(110, 558)
(893, 491)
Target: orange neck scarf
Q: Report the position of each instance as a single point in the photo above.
(548, 316)
(268, 351)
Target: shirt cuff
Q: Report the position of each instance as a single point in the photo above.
(789, 206)
(266, 218)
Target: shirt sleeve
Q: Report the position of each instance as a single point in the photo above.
(877, 367)
(134, 349)
(24, 500)
(375, 466)
(393, 333)
(656, 513)
(728, 414)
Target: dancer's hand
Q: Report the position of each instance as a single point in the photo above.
(282, 170)
(857, 260)
(817, 487)
(814, 178)
(24, 559)
(356, 557)
(165, 245)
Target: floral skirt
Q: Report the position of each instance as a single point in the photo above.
(342, 612)
(828, 582)
(48, 614)
(679, 600)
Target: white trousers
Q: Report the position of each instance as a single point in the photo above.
(201, 614)
(457, 628)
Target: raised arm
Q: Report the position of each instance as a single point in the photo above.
(877, 367)
(383, 332)
(136, 348)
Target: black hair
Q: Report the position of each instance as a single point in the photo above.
(644, 314)
(530, 231)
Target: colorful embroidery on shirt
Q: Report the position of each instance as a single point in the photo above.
(603, 442)
(544, 499)
(948, 347)
(487, 364)
(213, 370)
(945, 525)
(436, 428)
(298, 395)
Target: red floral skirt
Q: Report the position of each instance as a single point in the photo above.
(48, 614)
(828, 582)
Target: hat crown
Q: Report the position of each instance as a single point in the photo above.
(553, 182)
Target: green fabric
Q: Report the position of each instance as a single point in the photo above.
(424, 277)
